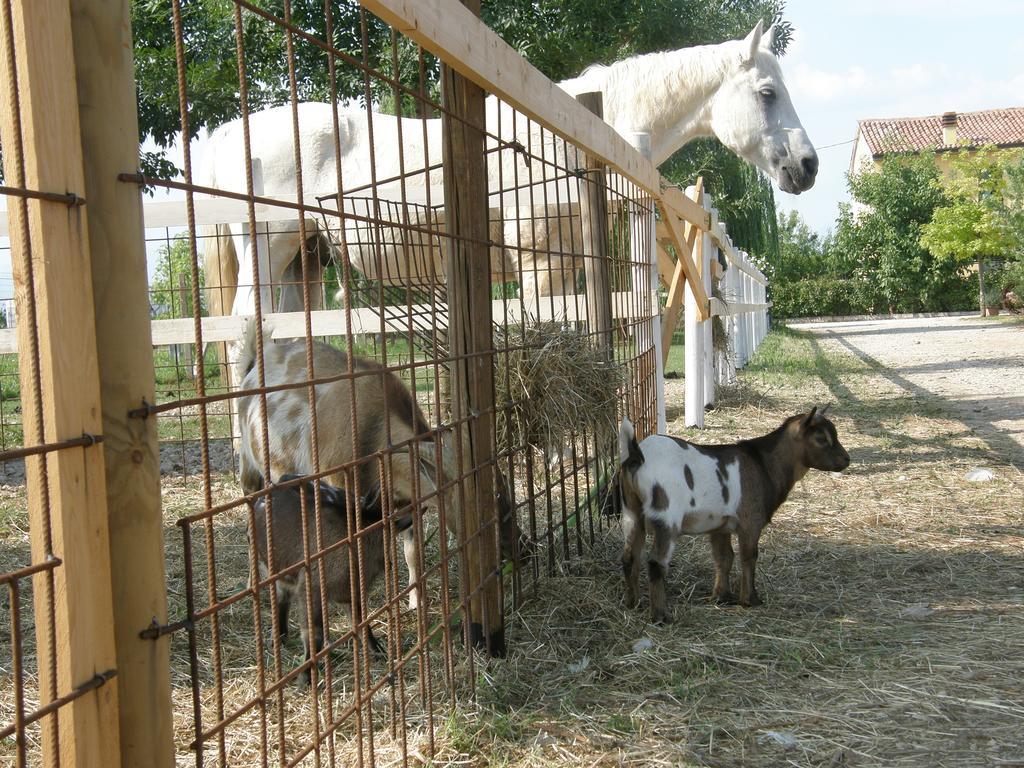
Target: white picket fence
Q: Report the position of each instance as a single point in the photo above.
(744, 307)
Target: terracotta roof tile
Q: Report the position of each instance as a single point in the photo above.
(1002, 127)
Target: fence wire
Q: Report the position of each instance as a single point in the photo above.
(321, 463)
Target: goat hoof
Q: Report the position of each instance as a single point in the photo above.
(753, 602)
(631, 601)
(726, 598)
(660, 619)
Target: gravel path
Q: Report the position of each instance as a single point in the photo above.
(973, 365)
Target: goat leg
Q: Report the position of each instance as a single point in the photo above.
(721, 552)
(657, 569)
(633, 550)
(356, 616)
(748, 564)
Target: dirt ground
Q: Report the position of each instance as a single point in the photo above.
(974, 365)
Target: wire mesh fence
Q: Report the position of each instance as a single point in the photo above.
(386, 408)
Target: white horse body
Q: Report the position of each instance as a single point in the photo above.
(733, 90)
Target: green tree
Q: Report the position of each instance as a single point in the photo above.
(879, 247)
(174, 260)
(975, 221)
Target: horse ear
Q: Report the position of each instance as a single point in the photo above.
(752, 42)
(768, 39)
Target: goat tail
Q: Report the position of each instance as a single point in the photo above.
(629, 451)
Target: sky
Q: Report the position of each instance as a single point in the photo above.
(892, 58)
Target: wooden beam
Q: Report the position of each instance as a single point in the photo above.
(666, 266)
(670, 215)
(471, 346)
(67, 510)
(105, 73)
(330, 322)
(594, 221)
(677, 283)
(462, 41)
(686, 209)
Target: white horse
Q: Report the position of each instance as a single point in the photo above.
(733, 90)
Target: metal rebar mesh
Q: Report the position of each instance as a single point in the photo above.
(342, 261)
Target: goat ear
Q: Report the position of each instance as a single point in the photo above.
(806, 422)
(371, 499)
(821, 413)
(333, 495)
(752, 42)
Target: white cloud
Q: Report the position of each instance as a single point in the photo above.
(808, 82)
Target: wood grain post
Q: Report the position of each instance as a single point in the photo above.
(66, 488)
(594, 221)
(104, 71)
(472, 349)
(644, 248)
(693, 350)
(677, 283)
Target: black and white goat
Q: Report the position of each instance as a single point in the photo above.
(671, 487)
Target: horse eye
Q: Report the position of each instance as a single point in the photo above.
(768, 94)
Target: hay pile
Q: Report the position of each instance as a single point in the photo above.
(552, 383)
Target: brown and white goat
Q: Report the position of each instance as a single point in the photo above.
(671, 487)
(386, 415)
(292, 512)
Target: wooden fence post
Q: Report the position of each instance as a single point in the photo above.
(710, 255)
(693, 349)
(471, 344)
(104, 71)
(594, 220)
(644, 248)
(60, 394)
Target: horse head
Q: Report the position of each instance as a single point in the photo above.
(752, 114)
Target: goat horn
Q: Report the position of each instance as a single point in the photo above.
(822, 412)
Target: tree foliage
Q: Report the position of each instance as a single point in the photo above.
(174, 259)
(880, 248)
(974, 220)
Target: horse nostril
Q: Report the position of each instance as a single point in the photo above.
(810, 165)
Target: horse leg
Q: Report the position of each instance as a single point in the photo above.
(291, 277)
(220, 270)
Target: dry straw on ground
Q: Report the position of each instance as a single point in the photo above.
(892, 631)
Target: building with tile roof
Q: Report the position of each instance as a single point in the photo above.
(877, 138)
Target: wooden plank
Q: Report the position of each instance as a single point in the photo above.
(50, 261)
(670, 215)
(677, 283)
(471, 345)
(721, 308)
(594, 222)
(462, 41)
(105, 73)
(666, 266)
(686, 209)
(331, 322)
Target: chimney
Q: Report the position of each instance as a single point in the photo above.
(948, 123)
